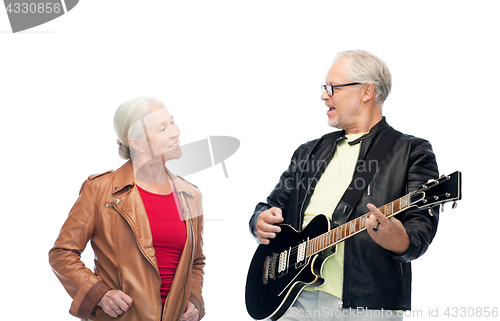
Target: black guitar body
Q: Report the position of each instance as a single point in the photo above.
(279, 271)
(271, 290)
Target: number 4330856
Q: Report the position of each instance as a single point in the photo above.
(479, 312)
(24, 7)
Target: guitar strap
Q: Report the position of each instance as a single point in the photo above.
(361, 178)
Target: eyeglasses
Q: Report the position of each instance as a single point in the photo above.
(329, 88)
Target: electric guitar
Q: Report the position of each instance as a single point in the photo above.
(280, 270)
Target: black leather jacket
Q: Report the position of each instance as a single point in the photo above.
(374, 278)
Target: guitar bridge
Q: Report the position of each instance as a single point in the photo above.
(270, 268)
(265, 276)
(275, 266)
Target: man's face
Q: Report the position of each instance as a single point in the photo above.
(345, 104)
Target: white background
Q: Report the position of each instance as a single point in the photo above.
(251, 70)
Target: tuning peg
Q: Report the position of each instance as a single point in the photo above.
(454, 206)
(442, 208)
(430, 211)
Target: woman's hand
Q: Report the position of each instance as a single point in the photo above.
(115, 303)
(191, 314)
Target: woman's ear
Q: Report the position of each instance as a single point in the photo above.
(135, 144)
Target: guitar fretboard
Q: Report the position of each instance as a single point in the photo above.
(353, 227)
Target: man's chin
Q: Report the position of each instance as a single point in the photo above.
(333, 123)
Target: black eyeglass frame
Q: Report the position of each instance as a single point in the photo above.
(329, 88)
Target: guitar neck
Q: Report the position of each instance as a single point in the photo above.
(353, 227)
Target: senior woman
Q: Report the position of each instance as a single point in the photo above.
(145, 227)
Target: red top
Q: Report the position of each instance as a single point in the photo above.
(169, 234)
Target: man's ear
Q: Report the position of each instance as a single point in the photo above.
(368, 92)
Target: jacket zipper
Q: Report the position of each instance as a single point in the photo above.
(120, 281)
(345, 293)
(192, 259)
(401, 269)
(190, 267)
(135, 237)
(139, 246)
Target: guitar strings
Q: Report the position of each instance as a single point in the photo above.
(340, 233)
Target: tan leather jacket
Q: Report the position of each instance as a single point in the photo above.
(110, 213)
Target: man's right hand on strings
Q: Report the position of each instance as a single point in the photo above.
(265, 224)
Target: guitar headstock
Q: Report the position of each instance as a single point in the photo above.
(445, 189)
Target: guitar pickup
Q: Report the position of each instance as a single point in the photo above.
(283, 262)
(301, 254)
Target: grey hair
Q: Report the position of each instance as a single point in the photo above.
(127, 121)
(369, 69)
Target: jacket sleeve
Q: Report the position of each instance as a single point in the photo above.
(419, 224)
(280, 195)
(82, 285)
(198, 264)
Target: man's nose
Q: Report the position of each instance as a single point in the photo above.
(324, 95)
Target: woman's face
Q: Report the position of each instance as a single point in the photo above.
(161, 134)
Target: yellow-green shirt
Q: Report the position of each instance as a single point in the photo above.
(327, 193)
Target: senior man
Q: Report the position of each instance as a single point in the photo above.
(369, 276)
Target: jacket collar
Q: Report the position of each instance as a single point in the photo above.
(382, 124)
(124, 176)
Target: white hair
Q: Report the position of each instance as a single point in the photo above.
(126, 121)
(369, 69)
